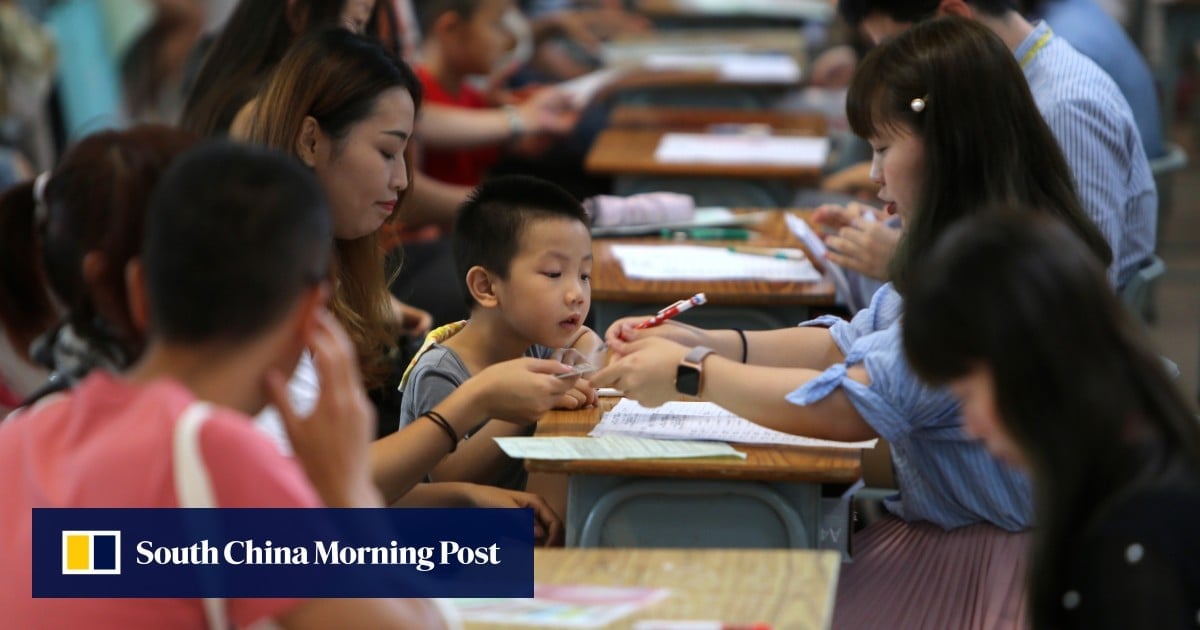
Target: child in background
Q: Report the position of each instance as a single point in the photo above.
(463, 38)
(1054, 376)
(523, 249)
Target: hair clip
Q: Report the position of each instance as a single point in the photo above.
(40, 211)
(918, 104)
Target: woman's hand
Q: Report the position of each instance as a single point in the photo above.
(625, 329)
(414, 322)
(644, 369)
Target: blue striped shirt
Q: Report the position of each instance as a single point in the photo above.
(1100, 140)
(944, 476)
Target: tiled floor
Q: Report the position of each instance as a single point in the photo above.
(1177, 329)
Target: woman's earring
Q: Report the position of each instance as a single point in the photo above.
(917, 105)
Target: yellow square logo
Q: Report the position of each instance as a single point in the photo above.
(91, 552)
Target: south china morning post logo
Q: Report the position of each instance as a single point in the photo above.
(90, 552)
(303, 552)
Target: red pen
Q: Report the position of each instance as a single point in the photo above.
(673, 310)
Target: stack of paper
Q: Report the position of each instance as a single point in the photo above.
(701, 421)
(732, 67)
(611, 447)
(695, 262)
(742, 149)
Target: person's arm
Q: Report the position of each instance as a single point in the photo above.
(646, 373)
(799, 347)
(547, 110)
(547, 525)
(517, 391)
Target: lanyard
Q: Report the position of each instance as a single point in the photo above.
(1037, 46)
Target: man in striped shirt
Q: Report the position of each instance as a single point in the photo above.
(1082, 105)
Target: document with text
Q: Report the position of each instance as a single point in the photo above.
(701, 421)
(611, 447)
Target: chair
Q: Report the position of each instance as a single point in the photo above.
(1164, 168)
(1137, 292)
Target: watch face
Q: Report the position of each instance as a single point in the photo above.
(687, 380)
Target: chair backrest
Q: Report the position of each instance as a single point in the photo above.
(1164, 168)
(1137, 292)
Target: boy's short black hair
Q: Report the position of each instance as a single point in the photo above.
(429, 11)
(234, 234)
(489, 226)
(855, 11)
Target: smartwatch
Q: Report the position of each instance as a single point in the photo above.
(689, 376)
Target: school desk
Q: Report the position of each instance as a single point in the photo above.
(792, 589)
(691, 119)
(747, 304)
(629, 155)
(773, 498)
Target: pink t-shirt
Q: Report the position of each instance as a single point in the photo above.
(108, 444)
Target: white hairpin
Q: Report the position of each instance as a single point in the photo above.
(40, 211)
(918, 105)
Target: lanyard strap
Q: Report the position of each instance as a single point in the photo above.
(1037, 46)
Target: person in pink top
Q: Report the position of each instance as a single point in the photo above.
(232, 286)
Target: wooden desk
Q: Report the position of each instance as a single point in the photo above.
(686, 119)
(785, 588)
(619, 151)
(770, 499)
(752, 304)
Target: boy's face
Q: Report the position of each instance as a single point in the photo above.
(548, 291)
(484, 39)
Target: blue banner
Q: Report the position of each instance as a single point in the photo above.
(127, 552)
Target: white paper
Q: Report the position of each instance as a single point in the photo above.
(611, 447)
(710, 216)
(695, 262)
(707, 148)
(816, 10)
(583, 89)
(732, 67)
(700, 421)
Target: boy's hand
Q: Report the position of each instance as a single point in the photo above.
(520, 390)
(332, 442)
(548, 110)
(547, 526)
(582, 396)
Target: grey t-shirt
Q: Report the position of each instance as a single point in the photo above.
(439, 372)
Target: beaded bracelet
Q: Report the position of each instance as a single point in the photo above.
(439, 420)
(745, 347)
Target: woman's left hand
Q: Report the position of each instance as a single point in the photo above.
(644, 369)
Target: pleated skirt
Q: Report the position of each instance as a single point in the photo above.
(917, 575)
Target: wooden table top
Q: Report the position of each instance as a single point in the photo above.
(788, 41)
(689, 119)
(621, 151)
(762, 463)
(610, 284)
(786, 588)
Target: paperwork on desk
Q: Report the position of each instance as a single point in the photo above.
(696, 262)
(742, 149)
(732, 67)
(611, 447)
(700, 421)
